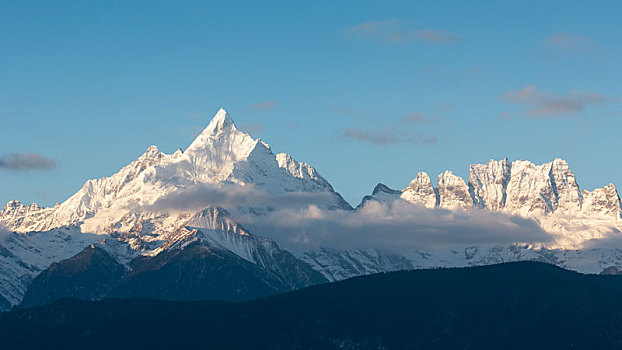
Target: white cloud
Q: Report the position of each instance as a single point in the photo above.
(297, 223)
(400, 227)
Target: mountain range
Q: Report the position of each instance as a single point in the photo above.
(195, 225)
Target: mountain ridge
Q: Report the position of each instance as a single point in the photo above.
(161, 203)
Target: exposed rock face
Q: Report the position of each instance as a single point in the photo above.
(519, 187)
(530, 189)
(303, 171)
(603, 202)
(546, 188)
(546, 193)
(420, 190)
(489, 183)
(566, 193)
(453, 192)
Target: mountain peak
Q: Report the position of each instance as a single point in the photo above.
(221, 127)
(152, 151)
(221, 121)
(380, 187)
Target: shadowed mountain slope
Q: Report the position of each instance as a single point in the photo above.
(515, 305)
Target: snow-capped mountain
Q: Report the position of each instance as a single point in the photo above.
(336, 265)
(220, 155)
(547, 193)
(181, 212)
(123, 213)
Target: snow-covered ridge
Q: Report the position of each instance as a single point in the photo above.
(119, 213)
(221, 154)
(519, 187)
(548, 193)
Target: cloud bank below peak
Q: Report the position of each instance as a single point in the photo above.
(297, 221)
(398, 227)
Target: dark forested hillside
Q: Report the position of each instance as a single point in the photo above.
(515, 305)
(197, 272)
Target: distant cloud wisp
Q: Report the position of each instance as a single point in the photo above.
(385, 137)
(252, 128)
(344, 110)
(379, 137)
(417, 118)
(396, 31)
(542, 103)
(437, 36)
(399, 131)
(265, 106)
(26, 162)
(567, 41)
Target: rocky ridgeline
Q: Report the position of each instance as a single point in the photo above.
(120, 223)
(519, 187)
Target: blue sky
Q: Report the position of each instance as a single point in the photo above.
(366, 92)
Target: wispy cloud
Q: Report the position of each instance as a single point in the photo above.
(386, 137)
(373, 29)
(379, 137)
(429, 141)
(568, 41)
(26, 162)
(396, 31)
(344, 110)
(398, 131)
(4, 233)
(265, 106)
(418, 118)
(542, 103)
(437, 36)
(252, 128)
(445, 106)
